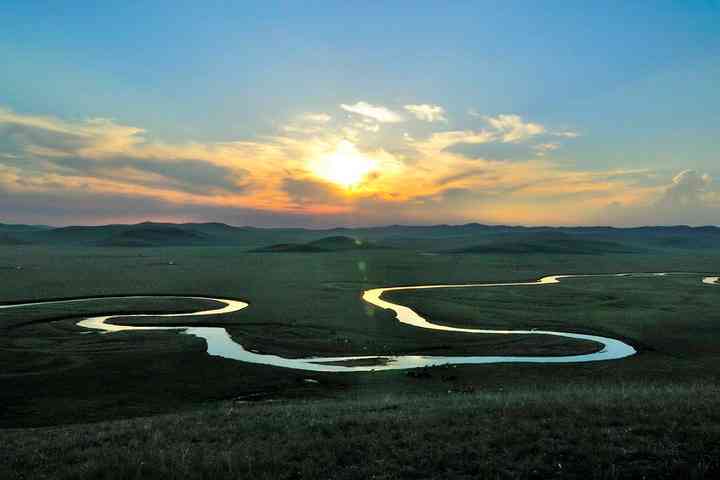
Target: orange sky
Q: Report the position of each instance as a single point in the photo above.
(317, 166)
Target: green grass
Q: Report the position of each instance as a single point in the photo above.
(581, 431)
(547, 243)
(337, 243)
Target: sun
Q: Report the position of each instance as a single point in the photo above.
(345, 166)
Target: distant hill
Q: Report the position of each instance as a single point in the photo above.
(468, 238)
(170, 234)
(342, 242)
(12, 228)
(289, 248)
(548, 242)
(335, 243)
(77, 235)
(155, 234)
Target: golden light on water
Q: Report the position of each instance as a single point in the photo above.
(345, 166)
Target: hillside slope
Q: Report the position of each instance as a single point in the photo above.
(548, 243)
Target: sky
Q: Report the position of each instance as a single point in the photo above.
(322, 114)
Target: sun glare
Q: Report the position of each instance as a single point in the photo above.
(345, 166)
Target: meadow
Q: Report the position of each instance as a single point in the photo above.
(132, 404)
(571, 431)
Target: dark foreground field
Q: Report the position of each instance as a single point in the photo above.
(653, 414)
(623, 431)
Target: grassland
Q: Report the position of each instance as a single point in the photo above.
(654, 412)
(623, 431)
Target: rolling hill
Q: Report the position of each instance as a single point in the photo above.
(337, 243)
(548, 243)
(468, 238)
(147, 235)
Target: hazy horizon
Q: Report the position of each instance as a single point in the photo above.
(359, 227)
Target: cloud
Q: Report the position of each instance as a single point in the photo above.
(503, 129)
(508, 137)
(56, 156)
(368, 127)
(427, 113)
(311, 191)
(48, 155)
(463, 175)
(52, 135)
(441, 140)
(566, 134)
(316, 117)
(91, 207)
(688, 188)
(689, 198)
(543, 149)
(516, 129)
(185, 174)
(308, 124)
(378, 113)
(512, 128)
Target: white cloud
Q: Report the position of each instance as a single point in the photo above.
(513, 129)
(501, 129)
(367, 126)
(567, 134)
(688, 188)
(376, 112)
(442, 140)
(427, 113)
(545, 148)
(316, 117)
(308, 124)
(689, 199)
(504, 129)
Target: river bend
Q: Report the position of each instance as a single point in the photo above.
(221, 344)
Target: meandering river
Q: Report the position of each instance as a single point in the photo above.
(221, 344)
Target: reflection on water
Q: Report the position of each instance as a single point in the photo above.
(219, 342)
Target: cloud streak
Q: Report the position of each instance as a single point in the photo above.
(513, 129)
(427, 113)
(316, 117)
(377, 113)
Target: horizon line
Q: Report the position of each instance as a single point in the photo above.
(339, 227)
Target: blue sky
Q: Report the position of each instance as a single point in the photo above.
(633, 85)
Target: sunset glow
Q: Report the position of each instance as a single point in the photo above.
(345, 166)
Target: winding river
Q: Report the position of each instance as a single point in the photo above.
(220, 343)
